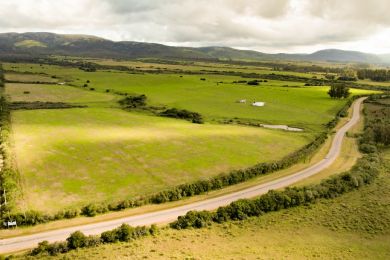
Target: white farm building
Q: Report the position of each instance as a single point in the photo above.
(258, 104)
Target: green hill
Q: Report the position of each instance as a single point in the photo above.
(43, 43)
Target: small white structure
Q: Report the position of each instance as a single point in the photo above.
(242, 101)
(258, 104)
(61, 83)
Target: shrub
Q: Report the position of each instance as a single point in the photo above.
(197, 219)
(133, 101)
(253, 82)
(109, 237)
(368, 148)
(183, 114)
(76, 240)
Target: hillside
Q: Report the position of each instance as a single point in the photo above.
(42, 43)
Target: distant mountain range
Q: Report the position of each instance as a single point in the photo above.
(42, 43)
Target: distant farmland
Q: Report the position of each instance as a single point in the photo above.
(71, 157)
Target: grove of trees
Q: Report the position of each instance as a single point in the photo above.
(338, 91)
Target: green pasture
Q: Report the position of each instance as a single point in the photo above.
(215, 97)
(75, 156)
(70, 157)
(54, 93)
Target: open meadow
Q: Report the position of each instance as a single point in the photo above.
(72, 157)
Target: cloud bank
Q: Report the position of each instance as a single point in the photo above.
(264, 25)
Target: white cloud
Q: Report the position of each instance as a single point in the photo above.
(276, 26)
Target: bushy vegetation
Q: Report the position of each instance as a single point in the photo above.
(135, 101)
(338, 91)
(8, 177)
(124, 233)
(374, 75)
(183, 114)
(41, 105)
(377, 127)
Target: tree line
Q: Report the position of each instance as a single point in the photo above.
(76, 240)
(374, 75)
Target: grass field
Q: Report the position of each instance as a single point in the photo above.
(71, 157)
(29, 77)
(54, 93)
(95, 154)
(306, 107)
(353, 226)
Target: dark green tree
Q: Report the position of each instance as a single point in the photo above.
(338, 91)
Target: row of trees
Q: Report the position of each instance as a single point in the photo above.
(375, 75)
(124, 233)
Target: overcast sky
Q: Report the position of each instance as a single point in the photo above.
(263, 25)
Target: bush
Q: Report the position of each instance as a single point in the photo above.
(92, 209)
(197, 219)
(109, 237)
(76, 240)
(253, 82)
(368, 148)
(183, 114)
(133, 101)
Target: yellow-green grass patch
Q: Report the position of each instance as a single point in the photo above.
(53, 93)
(28, 77)
(75, 156)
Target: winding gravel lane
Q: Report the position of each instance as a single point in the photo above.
(163, 216)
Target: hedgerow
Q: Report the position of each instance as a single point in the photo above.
(124, 233)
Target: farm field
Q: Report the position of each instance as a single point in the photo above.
(216, 101)
(353, 226)
(18, 92)
(94, 154)
(72, 157)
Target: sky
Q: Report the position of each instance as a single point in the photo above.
(274, 26)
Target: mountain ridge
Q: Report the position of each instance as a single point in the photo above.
(44, 43)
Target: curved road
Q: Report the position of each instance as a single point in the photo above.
(163, 216)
